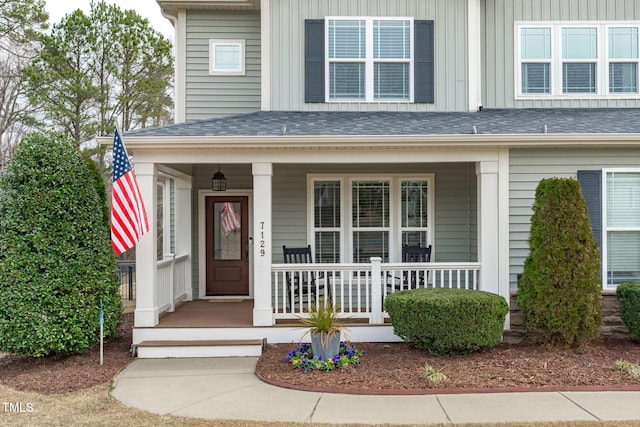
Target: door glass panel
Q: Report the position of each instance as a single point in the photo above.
(227, 231)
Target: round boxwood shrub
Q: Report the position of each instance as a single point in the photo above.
(628, 295)
(560, 289)
(448, 321)
(56, 260)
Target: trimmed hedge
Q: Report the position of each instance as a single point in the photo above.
(448, 321)
(56, 260)
(560, 289)
(629, 296)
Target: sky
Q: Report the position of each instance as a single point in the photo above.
(146, 8)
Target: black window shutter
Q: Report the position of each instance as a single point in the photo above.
(591, 183)
(423, 62)
(314, 60)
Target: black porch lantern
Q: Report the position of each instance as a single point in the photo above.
(218, 181)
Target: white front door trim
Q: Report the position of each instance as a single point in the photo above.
(202, 195)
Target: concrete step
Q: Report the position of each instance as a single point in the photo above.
(199, 348)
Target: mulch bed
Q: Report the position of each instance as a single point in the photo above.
(385, 369)
(50, 375)
(396, 369)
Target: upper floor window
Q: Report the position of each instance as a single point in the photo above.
(361, 59)
(573, 60)
(370, 59)
(226, 57)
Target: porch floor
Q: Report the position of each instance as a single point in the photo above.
(222, 314)
(209, 314)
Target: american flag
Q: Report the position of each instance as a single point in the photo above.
(229, 218)
(128, 215)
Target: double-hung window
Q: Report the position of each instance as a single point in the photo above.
(622, 226)
(577, 60)
(356, 218)
(370, 59)
(623, 59)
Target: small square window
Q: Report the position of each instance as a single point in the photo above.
(226, 57)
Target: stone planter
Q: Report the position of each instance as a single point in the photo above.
(325, 346)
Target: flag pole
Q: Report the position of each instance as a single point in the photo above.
(101, 334)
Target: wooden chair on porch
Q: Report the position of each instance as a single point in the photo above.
(302, 285)
(411, 279)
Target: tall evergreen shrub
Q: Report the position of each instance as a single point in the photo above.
(559, 291)
(56, 261)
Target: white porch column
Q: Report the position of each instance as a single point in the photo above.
(183, 227)
(146, 250)
(488, 226)
(262, 310)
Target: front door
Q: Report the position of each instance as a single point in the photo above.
(227, 253)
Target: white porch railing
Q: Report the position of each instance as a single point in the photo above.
(172, 281)
(359, 290)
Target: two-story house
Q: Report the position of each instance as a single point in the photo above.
(358, 126)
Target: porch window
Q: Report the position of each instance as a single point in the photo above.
(414, 213)
(370, 220)
(369, 216)
(326, 203)
(622, 227)
(165, 216)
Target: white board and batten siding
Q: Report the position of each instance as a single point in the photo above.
(286, 22)
(528, 166)
(207, 95)
(499, 46)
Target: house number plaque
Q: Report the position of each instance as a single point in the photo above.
(261, 242)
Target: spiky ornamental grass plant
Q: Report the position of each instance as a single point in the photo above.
(559, 291)
(56, 261)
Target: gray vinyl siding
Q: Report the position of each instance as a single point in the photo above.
(455, 214)
(499, 50)
(529, 166)
(209, 96)
(287, 50)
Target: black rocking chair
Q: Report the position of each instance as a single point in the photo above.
(411, 279)
(302, 285)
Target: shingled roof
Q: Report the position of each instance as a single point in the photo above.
(336, 123)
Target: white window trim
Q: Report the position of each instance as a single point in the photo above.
(346, 196)
(602, 61)
(213, 43)
(369, 60)
(605, 229)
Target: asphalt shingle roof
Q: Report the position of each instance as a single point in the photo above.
(350, 123)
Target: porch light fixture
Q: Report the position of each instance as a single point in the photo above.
(218, 181)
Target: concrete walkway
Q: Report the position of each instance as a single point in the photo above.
(227, 388)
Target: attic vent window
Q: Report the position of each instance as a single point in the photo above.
(226, 57)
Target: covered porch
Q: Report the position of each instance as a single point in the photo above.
(348, 197)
